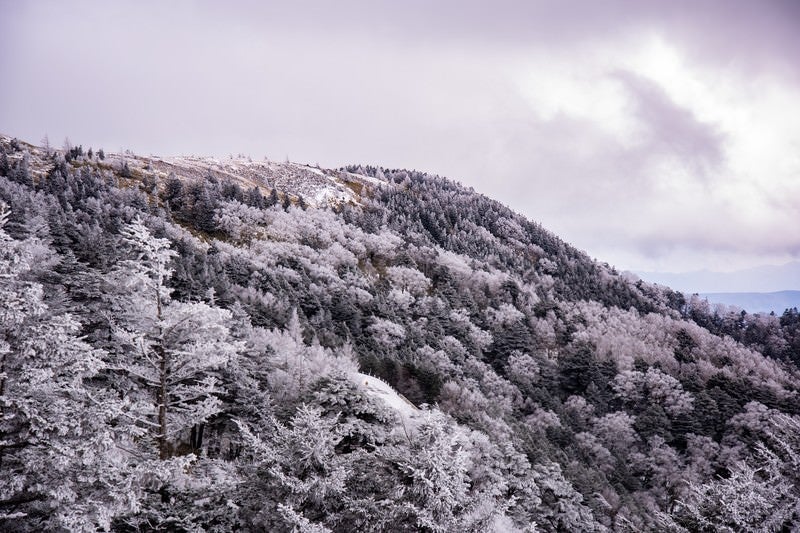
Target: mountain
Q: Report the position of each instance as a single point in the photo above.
(757, 302)
(762, 279)
(761, 289)
(190, 344)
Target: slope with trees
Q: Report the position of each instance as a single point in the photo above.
(182, 347)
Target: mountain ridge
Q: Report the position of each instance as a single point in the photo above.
(757, 302)
(555, 392)
(761, 279)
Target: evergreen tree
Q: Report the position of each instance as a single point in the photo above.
(173, 352)
(4, 166)
(272, 199)
(59, 462)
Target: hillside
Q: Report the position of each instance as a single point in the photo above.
(191, 344)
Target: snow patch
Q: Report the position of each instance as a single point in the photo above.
(368, 179)
(329, 195)
(378, 388)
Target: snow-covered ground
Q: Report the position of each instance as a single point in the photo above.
(368, 179)
(379, 389)
(318, 187)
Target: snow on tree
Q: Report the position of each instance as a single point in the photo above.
(437, 489)
(295, 478)
(751, 498)
(172, 352)
(562, 508)
(58, 461)
(386, 332)
(408, 279)
(653, 386)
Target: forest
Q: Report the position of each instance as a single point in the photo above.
(183, 345)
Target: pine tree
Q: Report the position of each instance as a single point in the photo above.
(273, 198)
(173, 352)
(4, 166)
(59, 462)
(296, 479)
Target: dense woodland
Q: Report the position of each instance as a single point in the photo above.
(178, 352)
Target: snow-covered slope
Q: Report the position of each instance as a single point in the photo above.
(380, 389)
(317, 187)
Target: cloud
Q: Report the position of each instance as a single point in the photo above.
(671, 130)
(648, 133)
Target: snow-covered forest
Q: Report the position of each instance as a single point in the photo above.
(198, 345)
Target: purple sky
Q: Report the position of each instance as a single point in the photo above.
(654, 135)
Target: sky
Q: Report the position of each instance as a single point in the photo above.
(655, 135)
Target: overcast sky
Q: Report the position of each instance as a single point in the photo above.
(655, 135)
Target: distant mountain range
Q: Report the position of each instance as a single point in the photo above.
(761, 289)
(757, 302)
(768, 278)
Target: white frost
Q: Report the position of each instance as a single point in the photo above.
(378, 388)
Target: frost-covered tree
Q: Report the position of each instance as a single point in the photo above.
(296, 480)
(750, 498)
(59, 462)
(437, 491)
(563, 508)
(170, 362)
(579, 397)
(171, 354)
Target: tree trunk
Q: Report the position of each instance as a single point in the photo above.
(196, 437)
(163, 448)
(2, 393)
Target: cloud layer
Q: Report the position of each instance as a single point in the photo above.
(655, 135)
